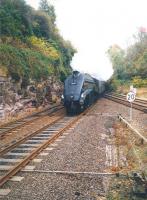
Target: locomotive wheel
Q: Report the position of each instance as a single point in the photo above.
(86, 103)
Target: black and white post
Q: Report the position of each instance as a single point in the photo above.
(131, 98)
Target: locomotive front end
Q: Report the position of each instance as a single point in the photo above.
(72, 92)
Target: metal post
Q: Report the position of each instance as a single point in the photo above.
(131, 112)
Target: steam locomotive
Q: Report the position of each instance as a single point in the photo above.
(80, 91)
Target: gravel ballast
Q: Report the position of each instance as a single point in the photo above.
(83, 149)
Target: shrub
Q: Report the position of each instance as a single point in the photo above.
(138, 82)
(25, 63)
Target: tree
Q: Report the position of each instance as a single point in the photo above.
(116, 55)
(130, 64)
(46, 7)
(15, 17)
(42, 25)
(32, 47)
(136, 56)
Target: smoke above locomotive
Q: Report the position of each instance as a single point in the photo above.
(80, 91)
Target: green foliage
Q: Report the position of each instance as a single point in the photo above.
(49, 9)
(32, 47)
(130, 65)
(15, 18)
(25, 63)
(113, 84)
(66, 49)
(116, 55)
(42, 25)
(138, 82)
(45, 47)
(64, 72)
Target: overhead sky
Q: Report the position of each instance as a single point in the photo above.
(93, 26)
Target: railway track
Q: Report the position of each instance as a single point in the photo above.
(10, 127)
(18, 155)
(139, 104)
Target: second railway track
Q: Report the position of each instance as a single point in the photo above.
(14, 158)
(139, 104)
(15, 126)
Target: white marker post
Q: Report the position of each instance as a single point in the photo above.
(131, 98)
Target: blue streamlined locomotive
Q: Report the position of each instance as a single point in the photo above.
(80, 91)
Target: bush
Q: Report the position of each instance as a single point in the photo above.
(25, 63)
(138, 82)
(113, 84)
(44, 47)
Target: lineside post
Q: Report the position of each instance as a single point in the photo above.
(131, 114)
(131, 97)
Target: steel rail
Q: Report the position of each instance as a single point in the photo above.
(25, 122)
(144, 101)
(31, 115)
(119, 98)
(35, 152)
(10, 147)
(137, 106)
(2, 134)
